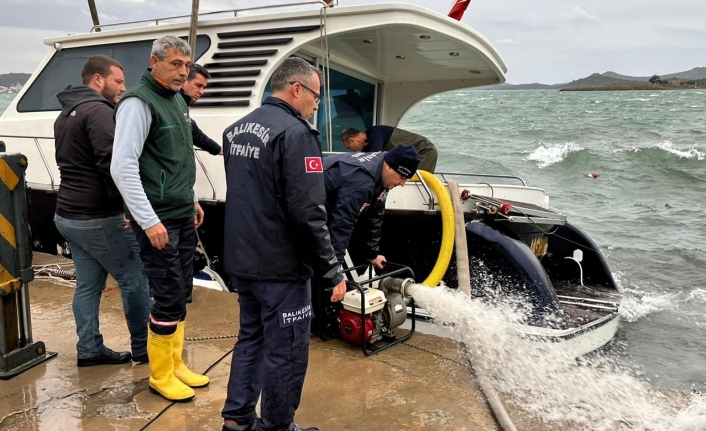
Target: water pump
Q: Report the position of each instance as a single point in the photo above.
(367, 314)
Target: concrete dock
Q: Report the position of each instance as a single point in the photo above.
(422, 384)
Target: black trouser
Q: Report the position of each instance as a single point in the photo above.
(272, 353)
(170, 271)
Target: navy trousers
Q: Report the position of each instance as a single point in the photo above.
(271, 354)
(170, 271)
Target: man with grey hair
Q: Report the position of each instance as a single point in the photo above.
(277, 239)
(153, 167)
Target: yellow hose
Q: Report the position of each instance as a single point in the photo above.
(448, 228)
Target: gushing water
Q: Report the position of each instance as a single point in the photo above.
(545, 378)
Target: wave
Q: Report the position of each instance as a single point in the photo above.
(553, 153)
(690, 152)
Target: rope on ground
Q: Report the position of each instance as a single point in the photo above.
(210, 367)
(407, 343)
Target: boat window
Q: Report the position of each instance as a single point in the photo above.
(64, 68)
(352, 102)
(352, 105)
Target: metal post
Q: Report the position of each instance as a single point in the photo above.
(18, 352)
(94, 14)
(192, 27)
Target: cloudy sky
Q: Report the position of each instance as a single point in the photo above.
(547, 41)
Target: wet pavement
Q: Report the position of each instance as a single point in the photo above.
(422, 384)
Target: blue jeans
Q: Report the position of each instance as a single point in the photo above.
(100, 247)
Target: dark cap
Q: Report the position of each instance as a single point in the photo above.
(404, 160)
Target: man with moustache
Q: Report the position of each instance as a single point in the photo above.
(89, 213)
(154, 169)
(277, 239)
(191, 91)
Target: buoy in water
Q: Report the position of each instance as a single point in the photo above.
(558, 118)
(593, 175)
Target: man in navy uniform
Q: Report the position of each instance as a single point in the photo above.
(385, 138)
(356, 188)
(276, 238)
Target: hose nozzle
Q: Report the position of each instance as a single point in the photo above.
(399, 285)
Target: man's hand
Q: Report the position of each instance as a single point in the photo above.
(198, 217)
(158, 236)
(128, 225)
(339, 291)
(378, 262)
(221, 153)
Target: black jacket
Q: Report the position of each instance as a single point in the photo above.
(275, 218)
(84, 133)
(201, 140)
(354, 191)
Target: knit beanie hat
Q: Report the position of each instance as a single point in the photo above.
(404, 160)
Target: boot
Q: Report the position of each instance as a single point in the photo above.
(181, 372)
(160, 349)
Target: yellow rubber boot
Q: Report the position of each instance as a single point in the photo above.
(182, 373)
(160, 350)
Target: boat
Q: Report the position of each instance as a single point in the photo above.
(378, 61)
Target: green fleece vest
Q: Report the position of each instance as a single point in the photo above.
(167, 165)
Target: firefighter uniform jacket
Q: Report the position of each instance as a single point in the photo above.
(354, 190)
(275, 218)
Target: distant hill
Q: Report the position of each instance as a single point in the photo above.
(597, 80)
(614, 75)
(693, 74)
(8, 79)
(608, 79)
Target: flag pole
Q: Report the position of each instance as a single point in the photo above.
(94, 14)
(192, 27)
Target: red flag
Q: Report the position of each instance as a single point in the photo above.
(458, 9)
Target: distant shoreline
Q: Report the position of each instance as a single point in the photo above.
(633, 87)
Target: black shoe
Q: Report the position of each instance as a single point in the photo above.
(108, 357)
(295, 427)
(235, 427)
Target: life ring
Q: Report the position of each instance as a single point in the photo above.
(448, 230)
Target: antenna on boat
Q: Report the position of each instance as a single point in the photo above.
(94, 15)
(192, 27)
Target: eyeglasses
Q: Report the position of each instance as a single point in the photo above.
(317, 96)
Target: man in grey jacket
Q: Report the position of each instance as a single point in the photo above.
(89, 213)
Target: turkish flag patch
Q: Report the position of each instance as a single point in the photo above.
(313, 164)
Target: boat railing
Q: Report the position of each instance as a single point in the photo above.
(234, 12)
(41, 154)
(205, 172)
(458, 174)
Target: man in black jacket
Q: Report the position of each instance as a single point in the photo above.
(191, 91)
(89, 213)
(385, 138)
(276, 239)
(356, 189)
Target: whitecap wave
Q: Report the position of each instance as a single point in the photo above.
(698, 295)
(691, 152)
(551, 154)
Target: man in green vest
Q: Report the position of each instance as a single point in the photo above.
(153, 167)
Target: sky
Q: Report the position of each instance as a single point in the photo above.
(545, 41)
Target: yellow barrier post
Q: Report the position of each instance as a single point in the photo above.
(18, 352)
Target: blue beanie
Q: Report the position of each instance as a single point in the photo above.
(404, 160)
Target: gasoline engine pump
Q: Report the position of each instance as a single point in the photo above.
(369, 312)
